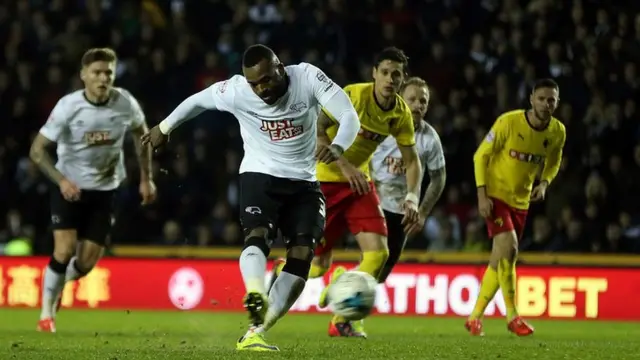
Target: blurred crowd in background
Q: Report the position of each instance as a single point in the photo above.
(480, 59)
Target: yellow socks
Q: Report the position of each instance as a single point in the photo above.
(507, 278)
(372, 263)
(315, 271)
(488, 289)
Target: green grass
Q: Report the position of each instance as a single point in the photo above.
(111, 335)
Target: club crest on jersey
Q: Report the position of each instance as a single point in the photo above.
(97, 138)
(298, 107)
(281, 129)
(526, 157)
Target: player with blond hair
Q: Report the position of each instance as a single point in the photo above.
(87, 127)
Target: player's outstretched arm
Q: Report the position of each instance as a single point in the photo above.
(191, 107)
(39, 154)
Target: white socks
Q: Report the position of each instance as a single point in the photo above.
(253, 266)
(284, 293)
(72, 273)
(53, 284)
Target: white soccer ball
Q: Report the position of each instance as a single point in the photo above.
(353, 295)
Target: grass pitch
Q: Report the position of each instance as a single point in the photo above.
(124, 335)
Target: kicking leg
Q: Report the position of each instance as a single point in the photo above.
(291, 281)
(65, 242)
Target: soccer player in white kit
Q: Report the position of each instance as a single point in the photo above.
(88, 126)
(277, 108)
(389, 173)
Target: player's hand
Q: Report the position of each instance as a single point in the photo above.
(357, 179)
(154, 137)
(69, 190)
(414, 228)
(485, 206)
(411, 214)
(539, 192)
(328, 153)
(148, 192)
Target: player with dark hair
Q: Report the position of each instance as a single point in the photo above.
(88, 128)
(352, 202)
(277, 108)
(388, 171)
(520, 144)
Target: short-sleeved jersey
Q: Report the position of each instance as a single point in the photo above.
(280, 139)
(376, 125)
(389, 172)
(516, 153)
(89, 137)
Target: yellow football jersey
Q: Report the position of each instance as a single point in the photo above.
(512, 154)
(375, 125)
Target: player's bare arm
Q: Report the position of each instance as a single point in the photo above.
(438, 179)
(143, 153)
(39, 154)
(414, 177)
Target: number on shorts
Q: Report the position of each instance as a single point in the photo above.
(322, 210)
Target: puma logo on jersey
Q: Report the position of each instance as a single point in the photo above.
(281, 129)
(97, 138)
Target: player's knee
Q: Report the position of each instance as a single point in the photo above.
(65, 242)
(297, 266)
(262, 232)
(369, 241)
(505, 246)
(259, 239)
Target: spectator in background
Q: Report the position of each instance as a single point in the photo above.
(479, 58)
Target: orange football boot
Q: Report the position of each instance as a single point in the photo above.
(474, 327)
(47, 325)
(344, 329)
(520, 327)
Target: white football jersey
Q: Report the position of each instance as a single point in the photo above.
(90, 137)
(279, 139)
(388, 171)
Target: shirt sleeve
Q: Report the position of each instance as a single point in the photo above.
(492, 143)
(219, 96)
(435, 158)
(336, 104)
(403, 130)
(57, 122)
(554, 160)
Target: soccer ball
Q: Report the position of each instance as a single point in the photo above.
(353, 295)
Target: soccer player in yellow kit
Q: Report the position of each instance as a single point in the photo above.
(506, 164)
(352, 202)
